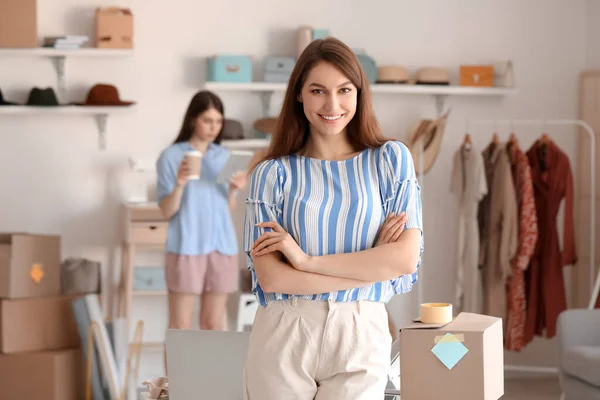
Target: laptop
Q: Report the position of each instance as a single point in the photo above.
(206, 364)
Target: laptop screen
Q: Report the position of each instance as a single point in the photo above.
(206, 364)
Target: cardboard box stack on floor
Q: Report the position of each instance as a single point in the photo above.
(39, 342)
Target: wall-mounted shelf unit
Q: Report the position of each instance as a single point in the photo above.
(246, 144)
(99, 113)
(51, 52)
(59, 56)
(440, 92)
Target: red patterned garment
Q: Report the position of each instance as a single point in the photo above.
(516, 307)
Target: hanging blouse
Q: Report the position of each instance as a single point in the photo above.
(516, 309)
(498, 212)
(468, 185)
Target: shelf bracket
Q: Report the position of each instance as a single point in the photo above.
(439, 103)
(59, 66)
(265, 99)
(101, 121)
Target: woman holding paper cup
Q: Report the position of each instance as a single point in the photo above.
(333, 231)
(201, 243)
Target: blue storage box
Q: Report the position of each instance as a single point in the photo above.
(320, 33)
(279, 68)
(149, 278)
(229, 68)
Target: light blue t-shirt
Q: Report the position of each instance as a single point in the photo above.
(203, 223)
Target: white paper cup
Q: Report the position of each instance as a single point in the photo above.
(194, 159)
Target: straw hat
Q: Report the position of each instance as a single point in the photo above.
(392, 74)
(432, 76)
(431, 133)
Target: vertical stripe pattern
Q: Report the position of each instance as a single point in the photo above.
(332, 207)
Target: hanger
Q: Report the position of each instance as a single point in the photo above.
(544, 139)
(543, 149)
(495, 139)
(467, 141)
(512, 139)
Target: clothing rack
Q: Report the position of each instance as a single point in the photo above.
(421, 147)
(594, 281)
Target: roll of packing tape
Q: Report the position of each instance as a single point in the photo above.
(436, 313)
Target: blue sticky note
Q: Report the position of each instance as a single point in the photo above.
(449, 352)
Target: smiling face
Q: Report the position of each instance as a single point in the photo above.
(329, 100)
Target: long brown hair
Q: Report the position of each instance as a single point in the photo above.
(201, 102)
(292, 129)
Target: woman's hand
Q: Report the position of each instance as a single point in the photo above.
(280, 240)
(183, 173)
(239, 180)
(391, 229)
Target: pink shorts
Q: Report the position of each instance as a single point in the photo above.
(214, 272)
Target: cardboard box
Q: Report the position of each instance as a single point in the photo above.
(114, 28)
(463, 360)
(52, 375)
(477, 75)
(18, 23)
(29, 265)
(44, 323)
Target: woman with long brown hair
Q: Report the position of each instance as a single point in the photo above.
(201, 248)
(332, 231)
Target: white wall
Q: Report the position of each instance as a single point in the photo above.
(592, 33)
(56, 180)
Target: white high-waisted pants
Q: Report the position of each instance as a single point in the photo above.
(323, 350)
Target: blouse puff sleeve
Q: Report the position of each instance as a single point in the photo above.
(264, 203)
(401, 193)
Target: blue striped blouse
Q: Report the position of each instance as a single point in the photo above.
(332, 207)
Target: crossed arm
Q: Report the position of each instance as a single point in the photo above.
(396, 253)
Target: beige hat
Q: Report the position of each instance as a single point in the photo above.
(392, 74)
(265, 125)
(433, 76)
(431, 133)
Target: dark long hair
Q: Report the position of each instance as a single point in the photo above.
(201, 102)
(292, 129)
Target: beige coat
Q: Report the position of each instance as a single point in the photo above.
(468, 185)
(498, 226)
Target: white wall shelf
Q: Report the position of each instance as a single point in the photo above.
(266, 89)
(246, 144)
(375, 88)
(59, 56)
(51, 52)
(99, 113)
(440, 92)
(65, 110)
